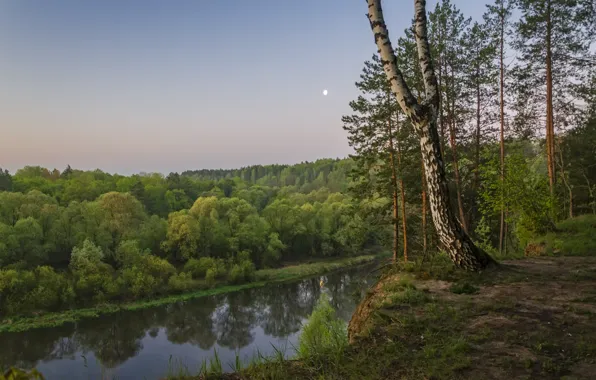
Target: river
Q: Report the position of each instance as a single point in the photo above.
(148, 343)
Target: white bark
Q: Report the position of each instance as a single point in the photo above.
(456, 242)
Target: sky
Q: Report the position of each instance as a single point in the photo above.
(129, 86)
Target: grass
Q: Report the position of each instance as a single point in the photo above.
(573, 237)
(262, 278)
(463, 288)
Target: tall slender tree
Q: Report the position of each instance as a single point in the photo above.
(497, 21)
(372, 132)
(554, 39)
(423, 116)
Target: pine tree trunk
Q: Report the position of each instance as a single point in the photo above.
(477, 164)
(460, 204)
(567, 185)
(454, 240)
(502, 128)
(403, 203)
(550, 131)
(453, 144)
(394, 187)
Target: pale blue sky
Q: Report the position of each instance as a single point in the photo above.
(147, 85)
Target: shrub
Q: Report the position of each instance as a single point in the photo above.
(323, 335)
(51, 291)
(14, 286)
(157, 267)
(138, 283)
(210, 277)
(181, 282)
(146, 278)
(198, 268)
(93, 285)
(236, 275)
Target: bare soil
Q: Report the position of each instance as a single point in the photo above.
(529, 319)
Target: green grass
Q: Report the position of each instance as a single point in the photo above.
(262, 278)
(463, 288)
(573, 237)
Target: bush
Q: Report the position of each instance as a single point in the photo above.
(94, 286)
(236, 275)
(14, 287)
(52, 290)
(146, 278)
(324, 335)
(243, 269)
(181, 282)
(198, 268)
(210, 277)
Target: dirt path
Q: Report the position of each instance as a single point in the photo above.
(531, 319)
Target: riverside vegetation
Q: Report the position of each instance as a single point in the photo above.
(75, 239)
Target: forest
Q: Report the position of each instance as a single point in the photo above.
(80, 238)
(515, 118)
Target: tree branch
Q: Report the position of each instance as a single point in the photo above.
(399, 86)
(424, 58)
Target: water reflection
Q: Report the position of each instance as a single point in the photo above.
(138, 344)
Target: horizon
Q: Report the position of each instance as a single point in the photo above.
(132, 87)
(180, 171)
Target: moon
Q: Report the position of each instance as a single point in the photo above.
(325, 92)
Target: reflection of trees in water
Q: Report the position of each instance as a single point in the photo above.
(284, 306)
(235, 319)
(346, 290)
(192, 322)
(228, 319)
(25, 349)
(115, 339)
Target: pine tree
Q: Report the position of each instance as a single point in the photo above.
(497, 25)
(372, 134)
(450, 27)
(554, 38)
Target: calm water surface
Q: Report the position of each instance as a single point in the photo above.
(144, 344)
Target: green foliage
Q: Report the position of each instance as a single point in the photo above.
(86, 258)
(198, 269)
(19, 374)
(181, 282)
(324, 335)
(524, 193)
(573, 237)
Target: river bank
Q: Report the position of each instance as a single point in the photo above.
(262, 278)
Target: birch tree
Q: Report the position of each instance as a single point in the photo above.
(423, 116)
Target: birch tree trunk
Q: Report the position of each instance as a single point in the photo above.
(423, 195)
(423, 116)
